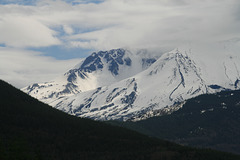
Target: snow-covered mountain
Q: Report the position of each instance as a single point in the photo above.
(122, 85)
(99, 69)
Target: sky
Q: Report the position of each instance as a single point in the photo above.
(42, 39)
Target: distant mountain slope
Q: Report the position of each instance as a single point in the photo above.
(210, 120)
(32, 130)
(99, 69)
(174, 77)
(122, 85)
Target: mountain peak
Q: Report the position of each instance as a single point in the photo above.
(98, 69)
(120, 84)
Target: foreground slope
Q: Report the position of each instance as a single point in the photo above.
(33, 130)
(210, 120)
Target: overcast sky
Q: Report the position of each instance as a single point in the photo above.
(40, 39)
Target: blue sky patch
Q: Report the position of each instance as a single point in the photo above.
(63, 53)
(19, 2)
(33, 2)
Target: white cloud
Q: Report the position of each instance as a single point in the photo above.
(148, 23)
(25, 32)
(21, 67)
(67, 29)
(107, 25)
(119, 23)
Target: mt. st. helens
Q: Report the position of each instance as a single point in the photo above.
(121, 85)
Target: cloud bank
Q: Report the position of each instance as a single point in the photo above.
(121, 23)
(105, 24)
(21, 67)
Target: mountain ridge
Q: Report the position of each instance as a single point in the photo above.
(168, 80)
(99, 69)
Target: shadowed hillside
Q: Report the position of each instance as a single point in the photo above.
(32, 130)
(209, 121)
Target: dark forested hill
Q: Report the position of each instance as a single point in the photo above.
(32, 130)
(211, 120)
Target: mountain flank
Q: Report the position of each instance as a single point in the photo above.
(208, 121)
(121, 84)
